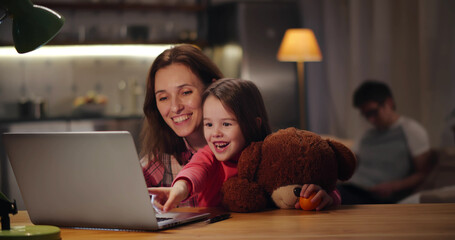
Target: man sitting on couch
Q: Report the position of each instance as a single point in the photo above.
(394, 155)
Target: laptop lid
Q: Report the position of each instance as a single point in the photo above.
(84, 179)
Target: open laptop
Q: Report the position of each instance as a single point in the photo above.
(85, 180)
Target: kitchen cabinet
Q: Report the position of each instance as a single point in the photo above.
(191, 6)
(128, 21)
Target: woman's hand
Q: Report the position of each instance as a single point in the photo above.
(321, 194)
(167, 198)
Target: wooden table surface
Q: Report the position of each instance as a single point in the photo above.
(405, 221)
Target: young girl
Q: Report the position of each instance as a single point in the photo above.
(233, 116)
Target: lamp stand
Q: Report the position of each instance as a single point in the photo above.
(32, 232)
(301, 86)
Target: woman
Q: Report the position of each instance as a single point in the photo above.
(172, 130)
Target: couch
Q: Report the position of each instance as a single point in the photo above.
(439, 187)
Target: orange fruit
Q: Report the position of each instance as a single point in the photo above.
(306, 204)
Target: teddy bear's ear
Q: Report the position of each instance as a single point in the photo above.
(346, 159)
(249, 161)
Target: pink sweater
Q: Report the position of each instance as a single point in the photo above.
(206, 175)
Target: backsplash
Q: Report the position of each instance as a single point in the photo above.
(58, 80)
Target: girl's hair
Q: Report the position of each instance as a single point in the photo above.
(245, 101)
(157, 137)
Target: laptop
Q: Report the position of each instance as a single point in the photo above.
(85, 180)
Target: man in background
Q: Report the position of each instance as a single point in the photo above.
(393, 156)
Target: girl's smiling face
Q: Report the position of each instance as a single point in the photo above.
(178, 98)
(221, 130)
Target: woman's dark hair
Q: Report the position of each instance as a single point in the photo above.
(157, 137)
(245, 101)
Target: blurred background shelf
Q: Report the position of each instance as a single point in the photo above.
(197, 6)
(126, 22)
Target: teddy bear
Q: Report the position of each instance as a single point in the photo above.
(271, 170)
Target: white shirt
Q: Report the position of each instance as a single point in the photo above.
(386, 155)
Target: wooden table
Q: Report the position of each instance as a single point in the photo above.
(413, 221)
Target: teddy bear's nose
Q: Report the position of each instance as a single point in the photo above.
(297, 191)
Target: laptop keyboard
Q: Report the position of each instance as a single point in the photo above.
(160, 219)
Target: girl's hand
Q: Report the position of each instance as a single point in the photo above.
(321, 194)
(167, 198)
(159, 196)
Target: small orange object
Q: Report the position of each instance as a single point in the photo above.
(306, 204)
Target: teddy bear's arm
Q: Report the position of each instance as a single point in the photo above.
(240, 195)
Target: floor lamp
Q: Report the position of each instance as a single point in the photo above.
(300, 45)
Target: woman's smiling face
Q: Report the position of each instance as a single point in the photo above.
(178, 98)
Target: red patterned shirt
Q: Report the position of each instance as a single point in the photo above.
(162, 173)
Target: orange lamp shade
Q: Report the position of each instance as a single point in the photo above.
(299, 45)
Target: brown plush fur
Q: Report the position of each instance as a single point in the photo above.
(286, 157)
